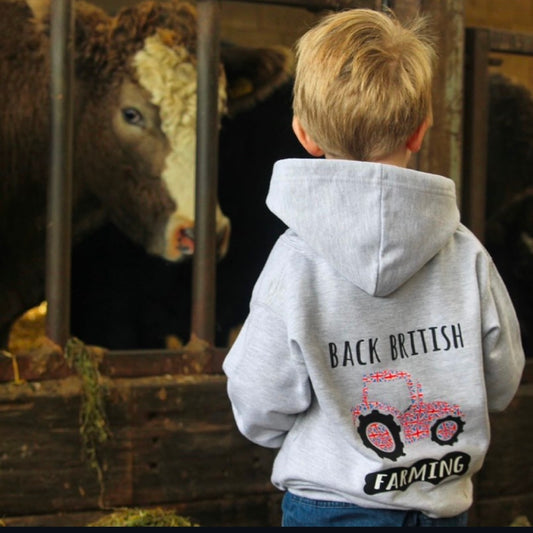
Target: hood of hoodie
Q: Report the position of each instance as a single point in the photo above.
(375, 224)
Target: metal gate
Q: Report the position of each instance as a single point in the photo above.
(58, 244)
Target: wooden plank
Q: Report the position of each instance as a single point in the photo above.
(511, 42)
(48, 362)
(40, 452)
(184, 443)
(173, 441)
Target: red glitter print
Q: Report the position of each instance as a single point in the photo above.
(385, 429)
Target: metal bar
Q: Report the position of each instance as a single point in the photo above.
(204, 268)
(208, 58)
(476, 104)
(58, 235)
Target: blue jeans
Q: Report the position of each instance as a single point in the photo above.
(303, 512)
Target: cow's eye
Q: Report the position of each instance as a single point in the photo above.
(133, 116)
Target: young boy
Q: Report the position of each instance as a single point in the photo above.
(380, 334)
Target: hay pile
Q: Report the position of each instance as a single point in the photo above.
(28, 332)
(521, 521)
(143, 518)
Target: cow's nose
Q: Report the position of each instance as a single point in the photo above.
(185, 240)
(189, 232)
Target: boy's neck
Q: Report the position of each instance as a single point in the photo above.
(399, 158)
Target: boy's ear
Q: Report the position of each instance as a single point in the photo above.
(414, 143)
(305, 140)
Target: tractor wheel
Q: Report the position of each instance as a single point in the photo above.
(381, 433)
(446, 431)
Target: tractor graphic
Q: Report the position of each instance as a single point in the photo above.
(381, 426)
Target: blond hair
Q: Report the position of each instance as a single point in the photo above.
(363, 82)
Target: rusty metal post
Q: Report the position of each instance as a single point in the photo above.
(204, 271)
(58, 234)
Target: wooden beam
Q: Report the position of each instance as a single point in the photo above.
(442, 150)
(476, 105)
(510, 42)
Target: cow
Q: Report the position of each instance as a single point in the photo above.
(134, 139)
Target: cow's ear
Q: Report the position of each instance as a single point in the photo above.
(91, 35)
(253, 74)
(92, 30)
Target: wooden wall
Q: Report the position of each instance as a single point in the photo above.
(174, 445)
(258, 25)
(516, 16)
(262, 24)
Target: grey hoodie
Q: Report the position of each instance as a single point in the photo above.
(379, 337)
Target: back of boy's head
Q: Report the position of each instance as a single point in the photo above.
(363, 83)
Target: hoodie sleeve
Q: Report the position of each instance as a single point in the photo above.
(268, 384)
(504, 357)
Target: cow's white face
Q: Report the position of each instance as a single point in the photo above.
(169, 76)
